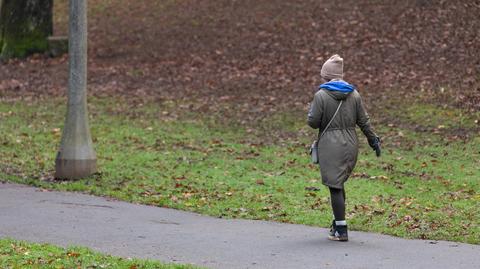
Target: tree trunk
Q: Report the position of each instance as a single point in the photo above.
(76, 157)
(24, 27)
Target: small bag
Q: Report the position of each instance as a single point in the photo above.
(314, 151)
(314, 146)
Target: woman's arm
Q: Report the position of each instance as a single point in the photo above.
(363, 121)
(315, 112)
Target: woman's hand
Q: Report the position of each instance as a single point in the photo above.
(375, 145)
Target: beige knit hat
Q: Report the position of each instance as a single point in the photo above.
(332, 68)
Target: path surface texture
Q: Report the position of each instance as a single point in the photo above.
(132, 230)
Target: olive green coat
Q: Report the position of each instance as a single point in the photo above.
(338, 148)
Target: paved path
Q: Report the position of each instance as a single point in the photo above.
(131, 230)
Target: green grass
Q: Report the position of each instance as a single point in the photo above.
(424, 186)
(431, 117)
(19, 254)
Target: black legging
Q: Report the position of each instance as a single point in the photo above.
(337, 196)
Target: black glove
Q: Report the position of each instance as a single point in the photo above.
(375, 145)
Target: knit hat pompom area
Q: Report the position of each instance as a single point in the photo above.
(332, 68)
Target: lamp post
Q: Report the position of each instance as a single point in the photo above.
(76, 157)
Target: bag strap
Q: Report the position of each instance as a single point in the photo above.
(330, 122)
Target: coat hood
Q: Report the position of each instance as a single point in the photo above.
(338, 89)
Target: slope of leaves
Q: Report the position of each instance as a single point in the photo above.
(263, 56)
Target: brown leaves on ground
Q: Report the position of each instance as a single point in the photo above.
(263, 56)
(73, 254)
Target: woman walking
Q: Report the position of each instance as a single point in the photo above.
(336, 108)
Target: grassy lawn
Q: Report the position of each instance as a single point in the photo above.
(18, 254)
(424, 186)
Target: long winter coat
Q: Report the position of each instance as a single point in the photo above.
(338, 148)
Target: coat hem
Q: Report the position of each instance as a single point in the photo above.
(333, 186)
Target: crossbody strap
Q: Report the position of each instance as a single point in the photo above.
(330, 122)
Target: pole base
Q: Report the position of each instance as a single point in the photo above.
(74, 169)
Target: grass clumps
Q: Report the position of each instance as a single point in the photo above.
(20, 254)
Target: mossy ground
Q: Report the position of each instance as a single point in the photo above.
(21, 47)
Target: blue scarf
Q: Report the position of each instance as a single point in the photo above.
(340, 86)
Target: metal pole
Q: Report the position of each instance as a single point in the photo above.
(76, 157)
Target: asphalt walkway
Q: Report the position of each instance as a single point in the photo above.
(131, 230)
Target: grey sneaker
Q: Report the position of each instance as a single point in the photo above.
(340, 233)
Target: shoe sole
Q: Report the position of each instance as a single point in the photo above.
(333, 238)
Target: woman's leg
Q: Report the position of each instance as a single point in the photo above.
(337, 197)
(339, 226)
